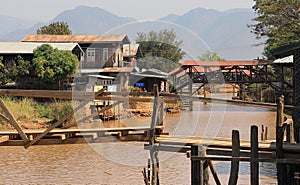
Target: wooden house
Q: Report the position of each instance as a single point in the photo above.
(9, 51)
(99, 51)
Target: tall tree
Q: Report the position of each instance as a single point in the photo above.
(52, 65)
(160, 50)
(55, 28)
(278, 22)
(210, 56)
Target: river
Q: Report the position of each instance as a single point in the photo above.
(122, 163)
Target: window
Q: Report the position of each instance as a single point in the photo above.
(105, 54)
(91, 55)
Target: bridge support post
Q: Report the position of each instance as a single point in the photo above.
(199, 168)
(190, 89)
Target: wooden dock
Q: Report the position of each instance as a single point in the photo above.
(77, 135)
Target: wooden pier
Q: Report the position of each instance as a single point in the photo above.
(77, 135)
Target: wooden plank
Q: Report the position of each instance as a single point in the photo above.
(4, 138)
(91, 135)
(14, 122)
(77, 130)
(79, 95)
(62, 136)
(217, 142)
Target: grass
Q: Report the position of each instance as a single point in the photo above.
(27, 110)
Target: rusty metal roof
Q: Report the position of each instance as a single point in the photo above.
(28, 47)
(117, 70)
(226, 63)
(76, 38)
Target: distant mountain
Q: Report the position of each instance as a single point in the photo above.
(224, 32)
(91, 20)
(10, 24)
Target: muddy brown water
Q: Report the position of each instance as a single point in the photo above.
(122, 163)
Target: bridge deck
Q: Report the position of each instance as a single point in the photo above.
(77, 130)
(181, 141)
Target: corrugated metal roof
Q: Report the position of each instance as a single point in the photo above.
(225, 63)
(28, 47)
(117, 70)
(75, 38)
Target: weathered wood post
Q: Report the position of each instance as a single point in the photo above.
(161, 113)
(199, 168)
(254, 165)
(281, 168)
(190, 89)
(266, 133)
(153, 151)
(204, 93)
(195, 166)
(234, 171)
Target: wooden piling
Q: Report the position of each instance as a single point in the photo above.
(281, 168)
(190, 89)
(195, 167)
(153, 151)
(266, 134)
(262, 133)
(199, 168)
(234, 171)
(279, 127)
(254, 165)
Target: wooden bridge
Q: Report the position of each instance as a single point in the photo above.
(240, 74)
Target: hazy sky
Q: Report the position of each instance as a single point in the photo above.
(45, 10)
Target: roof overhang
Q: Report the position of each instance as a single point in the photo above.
(286, 50)
(149, 76)
(101, 77)
(28, 47)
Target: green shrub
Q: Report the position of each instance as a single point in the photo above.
(28, 110)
